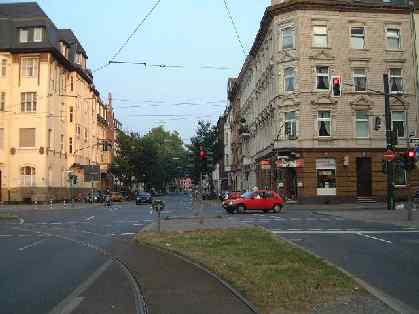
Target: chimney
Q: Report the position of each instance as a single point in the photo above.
(110, 100)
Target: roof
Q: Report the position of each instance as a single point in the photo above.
(22, 10)
(68, 36)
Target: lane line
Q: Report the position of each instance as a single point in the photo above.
(128, 234)
(6, 235)
(347, 231)
(67, 305)
(374, 238)
(90, 218)
(31, 245)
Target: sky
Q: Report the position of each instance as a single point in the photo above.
(189, 33)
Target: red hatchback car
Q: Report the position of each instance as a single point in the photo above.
(259, 200)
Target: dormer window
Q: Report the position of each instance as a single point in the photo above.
(23, 35)
(64, 49)
(38, 34)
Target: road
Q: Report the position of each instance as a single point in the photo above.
(53, 252)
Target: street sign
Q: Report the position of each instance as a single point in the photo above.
(389, 155)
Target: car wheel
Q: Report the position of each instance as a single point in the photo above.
(241, 209)
(277, 208)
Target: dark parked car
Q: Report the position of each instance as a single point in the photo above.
(143, 198)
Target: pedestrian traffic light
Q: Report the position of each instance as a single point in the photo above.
(337, 86)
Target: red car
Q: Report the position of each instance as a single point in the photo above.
(259, 200)
(231, 196)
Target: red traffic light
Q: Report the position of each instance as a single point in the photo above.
(202, 152)
(411, 154)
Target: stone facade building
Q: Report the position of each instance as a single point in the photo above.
(52, 119)
(295, 136)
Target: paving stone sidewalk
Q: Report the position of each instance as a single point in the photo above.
(395, 217)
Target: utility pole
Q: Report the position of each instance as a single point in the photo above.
(390, 139)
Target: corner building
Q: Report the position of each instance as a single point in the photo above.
(296, 137)
(52, 119)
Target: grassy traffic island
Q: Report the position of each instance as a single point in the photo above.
(8, 216)
(273, 275)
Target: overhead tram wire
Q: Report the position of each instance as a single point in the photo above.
(168, 66)
(234, 27)
(125, 43)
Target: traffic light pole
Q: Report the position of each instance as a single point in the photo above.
(390, 145)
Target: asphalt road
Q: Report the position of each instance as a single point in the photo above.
(44, 259)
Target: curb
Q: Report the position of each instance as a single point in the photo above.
(204, 269)
(391, 302)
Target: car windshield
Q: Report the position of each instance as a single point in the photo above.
(247, 195)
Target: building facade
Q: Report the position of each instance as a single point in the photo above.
(296, 137)
(52, 120)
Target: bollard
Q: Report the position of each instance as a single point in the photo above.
(50, 204)
(65, 204)
(36, 204)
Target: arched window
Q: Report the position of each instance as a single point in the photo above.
(27, 175)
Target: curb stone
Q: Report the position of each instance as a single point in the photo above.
(204, 269)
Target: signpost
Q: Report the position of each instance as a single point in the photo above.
(389, 155)
(158, 206)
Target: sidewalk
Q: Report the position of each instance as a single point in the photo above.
(55, 206)
(383, 216)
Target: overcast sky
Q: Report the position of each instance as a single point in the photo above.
(189, 33)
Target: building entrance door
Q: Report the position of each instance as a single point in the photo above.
(291, 184)
(364, 176)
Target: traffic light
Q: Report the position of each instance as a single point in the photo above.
(202, 153)
(408, 160)
(337, 86)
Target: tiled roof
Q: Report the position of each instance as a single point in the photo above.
(21, 10)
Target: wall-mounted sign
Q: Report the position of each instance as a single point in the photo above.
(265, 164)
(283, 163)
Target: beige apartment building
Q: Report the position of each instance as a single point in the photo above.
(296, 137)
(53, 122)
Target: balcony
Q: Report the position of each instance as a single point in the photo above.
(102, 121)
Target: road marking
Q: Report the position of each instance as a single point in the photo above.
(31, 245)
(344, 231)
(90, 218)
(56, 223)
(73, 300)
(137, 225)
(295, 219)
(374, 238)
(6, 235)
(127, 234)
(21, 221)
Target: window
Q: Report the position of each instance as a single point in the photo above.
(396, 80)
(71, 84)
(393, 38)
(288, 38)
(49, 138)
(26, 137)
(398, 122)
(362, 124)
(61, 143)
(28, 102)
(2, 101)
(320, 36)
(1, 139)
(85, 135)
(358, 37)
(290, 124)
(23, 35)
(400, 176)
(324, 123)
(3, 67)
(27, 175)
(30, 67)
(326, 176)
(70, 145)
(360, 80)
(322, 77)
(78, 129)
(38, 34)
(71, 114)
(289, 79)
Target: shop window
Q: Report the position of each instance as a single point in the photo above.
(27, 175)
(326, 176)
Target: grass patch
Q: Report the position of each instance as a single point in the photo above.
(7, 216)
(269, 272)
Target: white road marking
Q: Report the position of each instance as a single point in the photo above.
(31, 245)
(21, 221)
(295, 219)
(56, 223)
(137, 225)
(127, 234)
(290, 231)
(374, 238)
(5, 235)
(90, 218)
